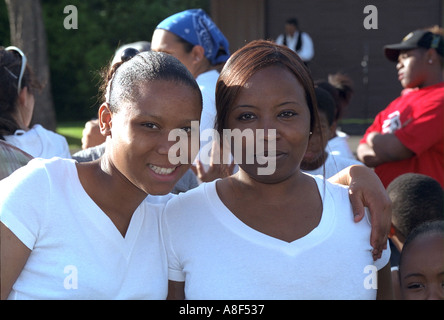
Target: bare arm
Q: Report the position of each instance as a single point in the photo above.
(366, 190)
(176, 290)
(13, 255)
(385, 289)
(380, 148)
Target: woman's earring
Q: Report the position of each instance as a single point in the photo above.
(430, 61)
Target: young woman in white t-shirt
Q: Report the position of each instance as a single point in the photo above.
(279, 235)
(17, 86)
(91, 230)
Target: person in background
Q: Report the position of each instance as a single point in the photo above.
(297, 40)
(337, 144)
(408, 135)
(17, 88)
(317, 159)
(421, 266)
(343, 85)
(193, 38)
(416, 198)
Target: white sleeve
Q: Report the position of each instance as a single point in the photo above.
(175, 272)
(23, 198)
(307, 51)
(280, 39)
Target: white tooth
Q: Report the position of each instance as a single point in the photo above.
(160, 170)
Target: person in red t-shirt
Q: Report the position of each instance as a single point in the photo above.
(408, 136)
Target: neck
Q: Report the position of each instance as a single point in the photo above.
(435, 78)
(205, 66)
(273, 191)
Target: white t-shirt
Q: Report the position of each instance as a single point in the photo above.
(338, 146)
(77, 252)
(207, 84)
(306, 53)
(220, 257)
(40, 143)
(333, 164)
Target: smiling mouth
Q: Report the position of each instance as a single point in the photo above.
(161, 170)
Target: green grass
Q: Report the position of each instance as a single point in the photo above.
(72, 131)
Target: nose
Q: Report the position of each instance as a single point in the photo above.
(164, 145)
(270, 128)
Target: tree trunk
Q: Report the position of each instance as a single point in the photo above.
(28, 33)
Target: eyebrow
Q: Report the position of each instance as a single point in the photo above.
(410, 275)
(417, 274)
(276, 106)
(160, 118)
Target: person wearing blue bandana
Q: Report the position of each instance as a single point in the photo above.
(193, 38)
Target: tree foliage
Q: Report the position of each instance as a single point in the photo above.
(77, 55)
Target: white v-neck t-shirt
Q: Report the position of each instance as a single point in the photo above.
(77, 252)
(220, 257)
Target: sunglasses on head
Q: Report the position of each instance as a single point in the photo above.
(23, 67)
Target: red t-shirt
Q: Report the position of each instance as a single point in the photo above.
(417, 120)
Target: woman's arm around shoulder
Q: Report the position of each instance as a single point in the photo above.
(366, 190)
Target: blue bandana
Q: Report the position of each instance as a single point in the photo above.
(197, 28)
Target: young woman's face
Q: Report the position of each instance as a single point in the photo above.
(422, 271)
(273, 98)
(139, 134)
(411, 68)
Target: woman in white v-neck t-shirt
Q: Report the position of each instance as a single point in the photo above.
(269, 234)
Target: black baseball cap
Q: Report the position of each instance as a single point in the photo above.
(416, 39)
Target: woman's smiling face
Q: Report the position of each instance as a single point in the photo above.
(139, 133)
(273, 98)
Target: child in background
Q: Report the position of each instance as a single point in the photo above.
(421, 267)
(416, 198)
(316, 157)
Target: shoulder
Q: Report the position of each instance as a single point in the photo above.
(305, 35)
(39, 170)
(48, 133)
(189, 204)
(54, 144)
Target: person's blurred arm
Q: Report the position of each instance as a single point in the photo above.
(91, 135)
